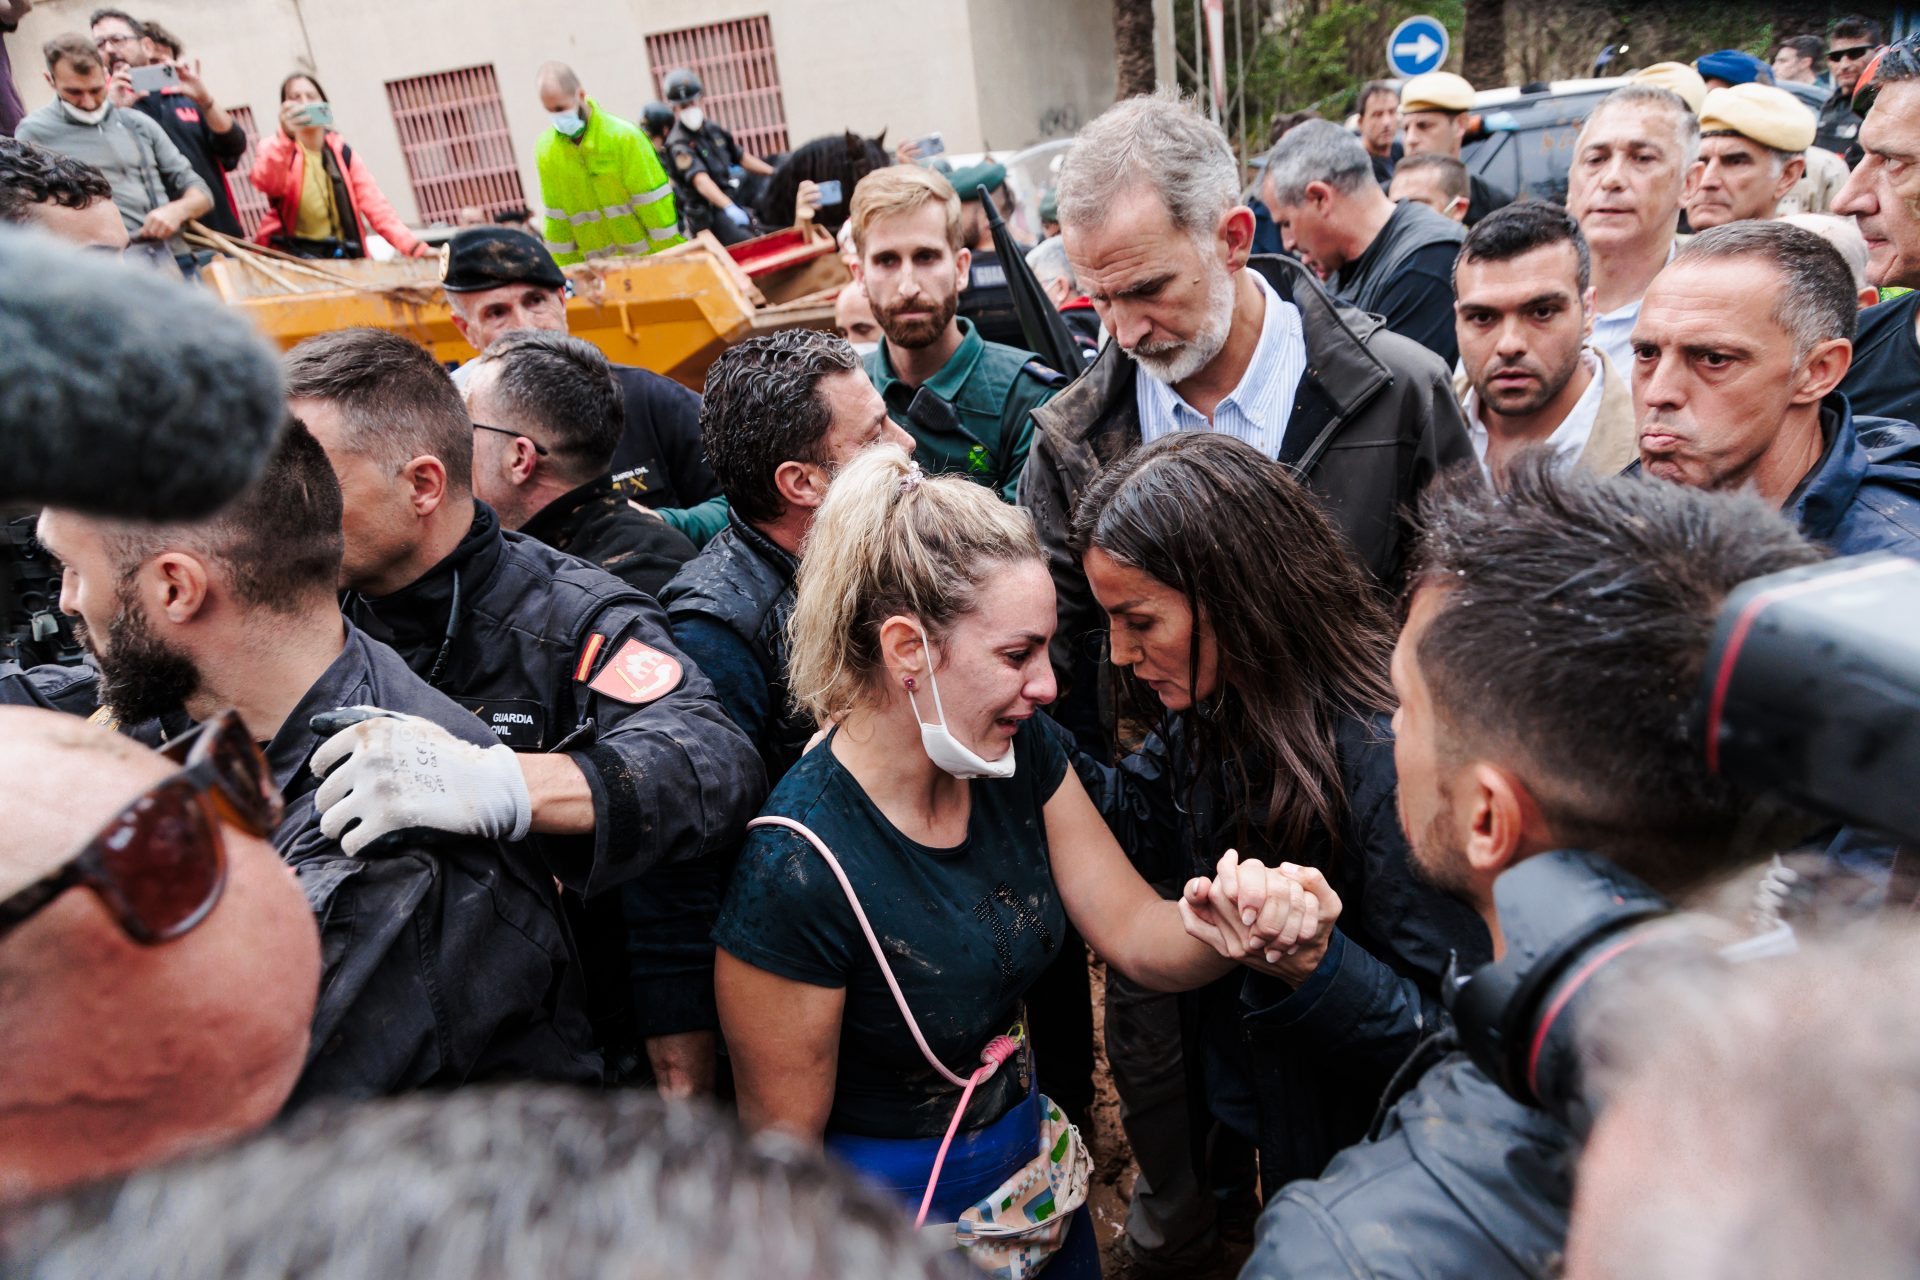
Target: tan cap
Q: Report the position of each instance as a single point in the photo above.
(1436, 91)
(1678, 77)
(1769, 116)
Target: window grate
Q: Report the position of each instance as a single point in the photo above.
(739, 78)
(458, 148)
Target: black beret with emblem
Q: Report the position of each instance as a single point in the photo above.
(489, 257)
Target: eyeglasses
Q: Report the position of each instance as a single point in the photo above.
(160, 864)
(1851, 52)
(103, 41)
(538, 448)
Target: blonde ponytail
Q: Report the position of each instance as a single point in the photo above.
(889, 540)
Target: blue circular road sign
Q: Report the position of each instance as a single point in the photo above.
(1417, 46)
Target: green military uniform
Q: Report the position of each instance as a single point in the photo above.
(994, 390)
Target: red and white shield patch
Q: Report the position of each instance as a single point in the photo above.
(636, 674)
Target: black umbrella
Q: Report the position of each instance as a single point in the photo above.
(1047, 334)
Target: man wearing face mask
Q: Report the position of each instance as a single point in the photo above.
(154, 186)
(708, 165)
(602, 189)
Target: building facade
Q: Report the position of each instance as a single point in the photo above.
(438, 96)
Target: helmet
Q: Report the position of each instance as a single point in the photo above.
(656, 117)
(682, 86)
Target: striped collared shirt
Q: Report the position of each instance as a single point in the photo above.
(1258, 409)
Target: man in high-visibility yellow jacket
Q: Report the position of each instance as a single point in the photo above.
(603, 191)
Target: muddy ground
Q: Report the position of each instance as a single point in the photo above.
(1113, 1170)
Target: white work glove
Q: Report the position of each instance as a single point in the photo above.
(384, 772)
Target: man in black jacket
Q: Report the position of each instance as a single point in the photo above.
(1391, 260)
(497, 280)
(781, 414)
(1851, 45)
(627, 768)
(548, 413)
(1364, 416)
(1503, 751)
(443, 959)
(205, 132)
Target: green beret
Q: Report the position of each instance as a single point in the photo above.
(970, 180)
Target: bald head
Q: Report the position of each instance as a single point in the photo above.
(559, 87)
(120, 1055)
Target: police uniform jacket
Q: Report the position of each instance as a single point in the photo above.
(732, 603)
(711, 151)
(554, 654)
(443, 957)
(993, 389)
(660, 461)
(598, 526)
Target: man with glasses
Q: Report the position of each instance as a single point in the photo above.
(531, 387)
(65, 197)
(158, 961)
(1854, 41)
(443, 960)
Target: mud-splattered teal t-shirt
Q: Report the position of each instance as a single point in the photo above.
(966, 930)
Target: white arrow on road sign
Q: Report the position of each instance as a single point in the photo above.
(1422, 48)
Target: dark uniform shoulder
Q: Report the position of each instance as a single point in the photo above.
(1045, 375)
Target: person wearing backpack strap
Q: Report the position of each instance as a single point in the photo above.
(323, 202)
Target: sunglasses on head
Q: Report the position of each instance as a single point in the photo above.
(159, 864)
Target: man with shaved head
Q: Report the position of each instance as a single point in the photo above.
(120, 1053)
(602, 189)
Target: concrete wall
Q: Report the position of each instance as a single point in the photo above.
(1007, 72)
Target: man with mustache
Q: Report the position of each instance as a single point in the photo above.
(1734, 393)
(913, 263)
(1524, 313)
(1629, 173)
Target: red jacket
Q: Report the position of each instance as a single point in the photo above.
(279, 167)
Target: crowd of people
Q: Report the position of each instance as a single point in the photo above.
(465, 755)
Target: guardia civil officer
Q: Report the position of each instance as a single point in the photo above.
(986, 301)
(967, 402)
(623, 767)
(706, 165)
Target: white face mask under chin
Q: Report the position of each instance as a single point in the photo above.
(78, 116)
(948, 752)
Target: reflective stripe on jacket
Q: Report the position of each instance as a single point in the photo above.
(605, 195)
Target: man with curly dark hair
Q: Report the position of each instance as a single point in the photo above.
(68, 197)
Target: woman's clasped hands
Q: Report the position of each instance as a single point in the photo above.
(1276, 919)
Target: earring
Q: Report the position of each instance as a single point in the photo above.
(909, 682)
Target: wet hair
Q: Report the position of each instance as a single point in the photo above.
(1863, 29)
(845, 158)
(888, 541)
(1317, 151)
(1573, 621)
(564, 387)
(32, 176)
(902, 189)
(164, 38)
(74, 48)
(513, 1183)
(287, 85)
(1161, 142)
(1302, 634)
(278, 546)
(763, 406)
(1522, 227)
(396, 400)
(1816, 298)
(1447, 171)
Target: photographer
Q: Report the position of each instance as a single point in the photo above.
(1554, 629)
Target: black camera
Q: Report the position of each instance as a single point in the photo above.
(1810, 693)
(32, 628)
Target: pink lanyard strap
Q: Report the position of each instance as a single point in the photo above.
(998, 1050)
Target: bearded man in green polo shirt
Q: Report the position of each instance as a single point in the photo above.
(968, 403)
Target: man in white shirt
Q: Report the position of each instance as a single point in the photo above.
(1629, 172)
(1527, 376)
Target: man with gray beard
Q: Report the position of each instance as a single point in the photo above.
(1207, 337)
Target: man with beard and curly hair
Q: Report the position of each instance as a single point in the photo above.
(913, 262)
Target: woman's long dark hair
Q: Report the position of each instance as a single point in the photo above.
(1303, 634)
